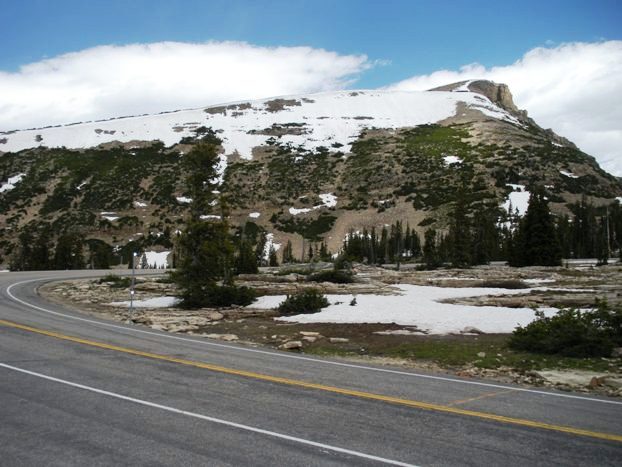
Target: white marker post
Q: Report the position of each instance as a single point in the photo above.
(134, 254)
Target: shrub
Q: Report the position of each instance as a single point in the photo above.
(334, 276)
(572, 333)
(217, 296)
(305, 301)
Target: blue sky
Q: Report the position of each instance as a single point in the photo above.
(414, 37)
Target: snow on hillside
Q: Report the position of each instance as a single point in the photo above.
(11, 182)
(315, 120)
(518, 200)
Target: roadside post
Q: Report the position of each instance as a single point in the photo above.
(134, 254)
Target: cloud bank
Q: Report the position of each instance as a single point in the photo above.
(112, 81)
(575, 89)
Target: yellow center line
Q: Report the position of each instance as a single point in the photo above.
(483, 396)
(322, 387)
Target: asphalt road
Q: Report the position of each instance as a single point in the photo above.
(75, 390)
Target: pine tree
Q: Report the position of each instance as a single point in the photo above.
(485, 236)
(602, 247)
(459, 239)
(288, 253)
(206, 248)
(260, 249)
(272, 258)
(68, 253)
(430, 251)
(536, 242)
(246, 261)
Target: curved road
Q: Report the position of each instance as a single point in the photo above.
(76, 390)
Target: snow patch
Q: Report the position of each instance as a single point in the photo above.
(156, 302)
(568, 174)
(418, 306)
(517, 200)
(11, 182)
(154, 260)
(209, 216)
(140, 204)
(254, 215)
(294, 212)
(183, 199)
(452, 160)
(329, 200)
(268, 246)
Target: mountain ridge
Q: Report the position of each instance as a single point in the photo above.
(379, 156)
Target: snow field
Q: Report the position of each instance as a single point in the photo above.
(418, 306)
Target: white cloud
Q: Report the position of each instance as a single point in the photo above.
(111, 81)
(575, 88)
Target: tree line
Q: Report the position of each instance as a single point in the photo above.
(483, 233)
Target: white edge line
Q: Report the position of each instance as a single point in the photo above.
(207, 418)
(297, 357)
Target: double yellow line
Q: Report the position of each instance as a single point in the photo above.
(321, 387)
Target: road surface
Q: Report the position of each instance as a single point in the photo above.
(76, 390)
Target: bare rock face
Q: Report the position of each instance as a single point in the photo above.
(498, 93)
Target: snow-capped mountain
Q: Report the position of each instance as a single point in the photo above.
(312, 167)
(322, 120)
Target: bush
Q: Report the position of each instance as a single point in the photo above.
(572, 333)
(217, 296)
(334, 276)
(503, 284)
(116, 282)
(305, 301)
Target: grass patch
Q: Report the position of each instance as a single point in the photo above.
(459, 351)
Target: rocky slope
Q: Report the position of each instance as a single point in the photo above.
(313, 166)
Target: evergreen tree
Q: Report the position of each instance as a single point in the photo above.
(272, 259)
(459, 239)
(430, 251)
(324, 253)
(536, 242)
(288, 253)
(485, 236)
(100, 254)
(260, 249)
(68, 253)
(602, 247)
(246, 261)
(206, 248)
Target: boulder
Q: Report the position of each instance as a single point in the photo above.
(338, 340)
(291, 345)
(222, 337)
(182, 328)
(309, 338)
(616, 352)
(214, 315)
(309, 333)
